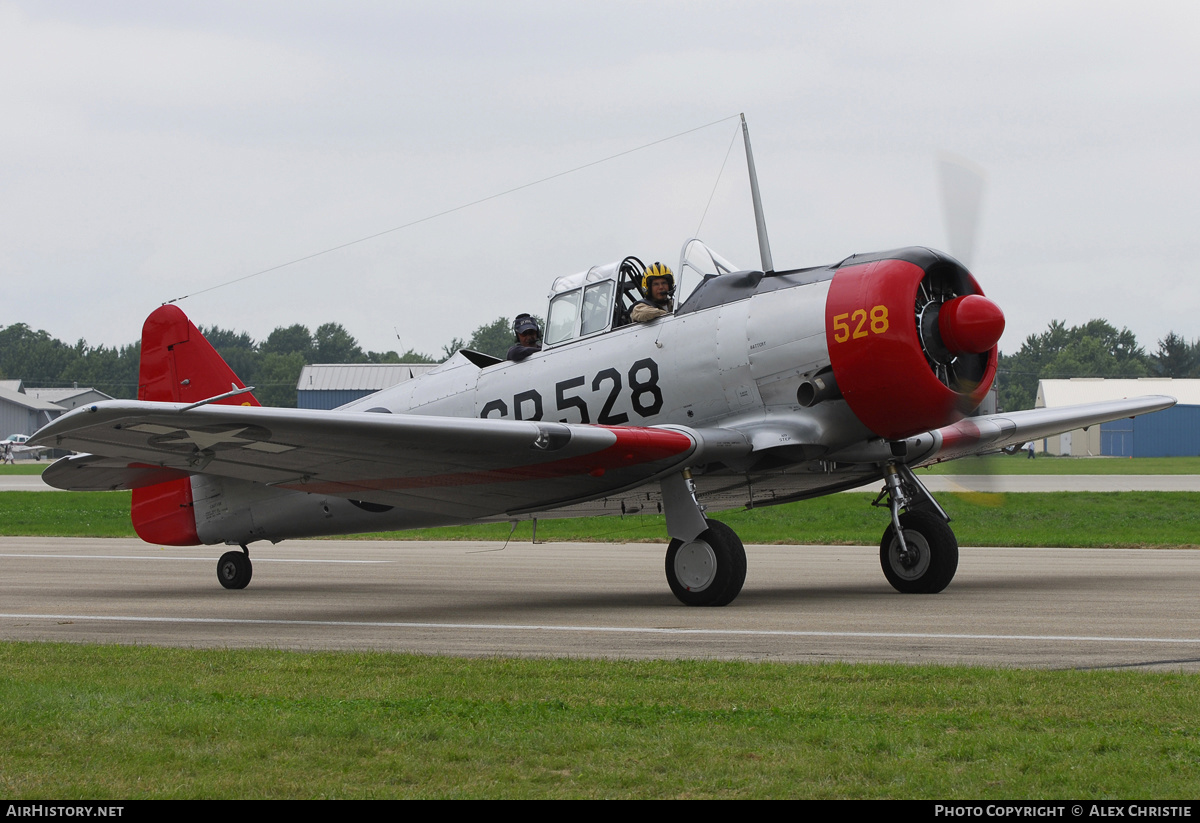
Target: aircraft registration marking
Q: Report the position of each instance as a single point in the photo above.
(644, 394)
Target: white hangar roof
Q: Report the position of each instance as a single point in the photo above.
(24, 400)
(1053, 393)
(358, 377)
(68, 398)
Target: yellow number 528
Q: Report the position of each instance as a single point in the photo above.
(861, 323)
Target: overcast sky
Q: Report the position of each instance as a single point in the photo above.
(150, 150)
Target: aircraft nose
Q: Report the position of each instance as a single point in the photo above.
(970, 324)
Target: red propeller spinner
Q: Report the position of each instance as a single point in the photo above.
(970, 324)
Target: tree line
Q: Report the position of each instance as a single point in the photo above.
(273, 365)
(1094, 349)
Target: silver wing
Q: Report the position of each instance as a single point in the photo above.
(475, 469)
(464, 468)
(761, 484)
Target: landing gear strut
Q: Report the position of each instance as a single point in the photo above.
(234, 569)
(919, 552)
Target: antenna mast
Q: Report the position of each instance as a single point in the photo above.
(764, 246)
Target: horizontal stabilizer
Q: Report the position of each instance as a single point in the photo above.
(93, 473)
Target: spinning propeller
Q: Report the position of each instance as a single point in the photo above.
(965, 328)
(954, 323)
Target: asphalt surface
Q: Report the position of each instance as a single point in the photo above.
(23, 483)
(1050, 608)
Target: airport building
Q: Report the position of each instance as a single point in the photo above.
(327, 386)
(24, 410)
(1174, 432)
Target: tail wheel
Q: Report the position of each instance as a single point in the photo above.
(932, 556)
(234, 570)
(707, 571)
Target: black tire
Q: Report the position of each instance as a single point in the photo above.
(234, 570)
(936, 550)
(708, 571)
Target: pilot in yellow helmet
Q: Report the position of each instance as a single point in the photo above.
(658, 285)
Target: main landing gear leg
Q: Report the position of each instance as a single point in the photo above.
(234, 569)
(919, 552)
(706, 562)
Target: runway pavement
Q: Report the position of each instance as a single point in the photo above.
(1055, 608)
(23, 483)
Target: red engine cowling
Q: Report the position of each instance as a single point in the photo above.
(912, 340)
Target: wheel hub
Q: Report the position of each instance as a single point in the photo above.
(911, 564)
(695, 565)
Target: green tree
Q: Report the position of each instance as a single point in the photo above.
(237, 349)
(453, 346)
(1176, 357)
(113, 371)
(493, 338)
(295, 339)
(414, 356)
(333, 344)
(35, 357)
(277, 378)
(1095, 349)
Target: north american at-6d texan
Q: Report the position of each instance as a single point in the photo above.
(762, 387)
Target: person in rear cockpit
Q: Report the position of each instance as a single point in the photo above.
(529, 338)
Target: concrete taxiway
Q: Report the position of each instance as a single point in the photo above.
(1053, 608)
(23, 483)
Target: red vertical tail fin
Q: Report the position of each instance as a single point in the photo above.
(178, 366)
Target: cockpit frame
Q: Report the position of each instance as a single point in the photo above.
(593, 302)
(599, 300)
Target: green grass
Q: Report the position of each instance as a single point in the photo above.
(1047, 464)
(1083, 519)
(24, 467)
(114, 722)
(65, 514)
(991, 464)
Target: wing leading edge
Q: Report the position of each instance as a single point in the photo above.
(470, 467)
(979, 435)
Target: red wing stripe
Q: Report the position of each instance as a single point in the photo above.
(961, 434)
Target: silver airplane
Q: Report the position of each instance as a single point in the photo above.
(762, 387)
(18, 444)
